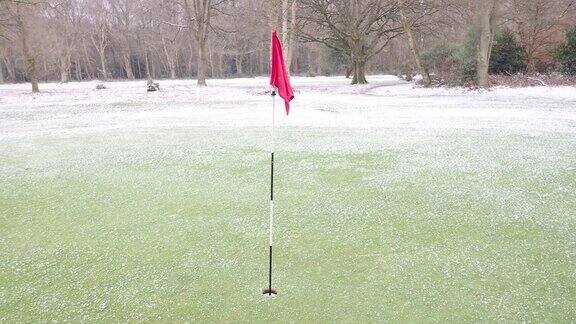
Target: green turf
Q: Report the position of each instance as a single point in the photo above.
(157, 225)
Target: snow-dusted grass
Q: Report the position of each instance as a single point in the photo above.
(394, 203)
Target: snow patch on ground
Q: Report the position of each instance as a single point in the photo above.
(323, 102)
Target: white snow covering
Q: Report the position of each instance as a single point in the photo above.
(326, 102)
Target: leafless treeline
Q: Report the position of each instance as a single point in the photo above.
(88, 39)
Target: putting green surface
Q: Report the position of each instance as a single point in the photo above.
(372, 225)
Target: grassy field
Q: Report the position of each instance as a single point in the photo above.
(379, 224)
(174, 230)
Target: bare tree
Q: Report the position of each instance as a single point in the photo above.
(360, 29)
(22, 17)
(123, 13)
(413, 44)
(4, 23)
(66, 15)
(82, 39)
(199, 14)
(100, 36)
(537, 22)
(242, 40)
(289, 29)
(7, 56)
(6, 20)
(170, 34)
(486, 26)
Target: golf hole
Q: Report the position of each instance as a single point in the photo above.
(269, 293)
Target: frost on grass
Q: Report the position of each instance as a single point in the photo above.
(396, 203)
(321, 102)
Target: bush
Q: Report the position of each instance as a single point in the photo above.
(467, 57)
(441, 59)
(566, 54)
(507, 54)
(453, 64)
(336, 62)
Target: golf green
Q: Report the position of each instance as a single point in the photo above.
(389, 224)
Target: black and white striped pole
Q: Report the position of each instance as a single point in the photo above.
(269, 292)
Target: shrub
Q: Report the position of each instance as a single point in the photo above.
(467, 57)
(453, 64)
(507, 54)
(442, 61)
(566, 54)
(335, 59)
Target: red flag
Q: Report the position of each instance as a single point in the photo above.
(278, 76)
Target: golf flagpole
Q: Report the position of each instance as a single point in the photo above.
(280, 83)
(270, 291)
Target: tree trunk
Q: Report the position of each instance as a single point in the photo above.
(359, 72)
(10, 69)
(319, 60)
(172, 71)
(273, 13)
(78, 68)
(69, 65)
(358, 61)
(63, 70)
(202, 62)
(285, 18)
(153, 70)
(147, 61)
(100, 43)
(261, 62)
(251, 64)
(238, 60)
(83, 69)
(220, 66)
(139, 75)
(127, 65)
(200, 16)
(211, 61)
(45, 69)
(413, 45)
(486, 29)
(169, 58)
(288, 30)
(89, 67)
(29, 58)
(349, 70)
(1, 73)
(355, 43)
(190, 63)
(102, 54)
(172, 67)
(291, 37)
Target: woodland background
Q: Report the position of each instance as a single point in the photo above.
(456, 41)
